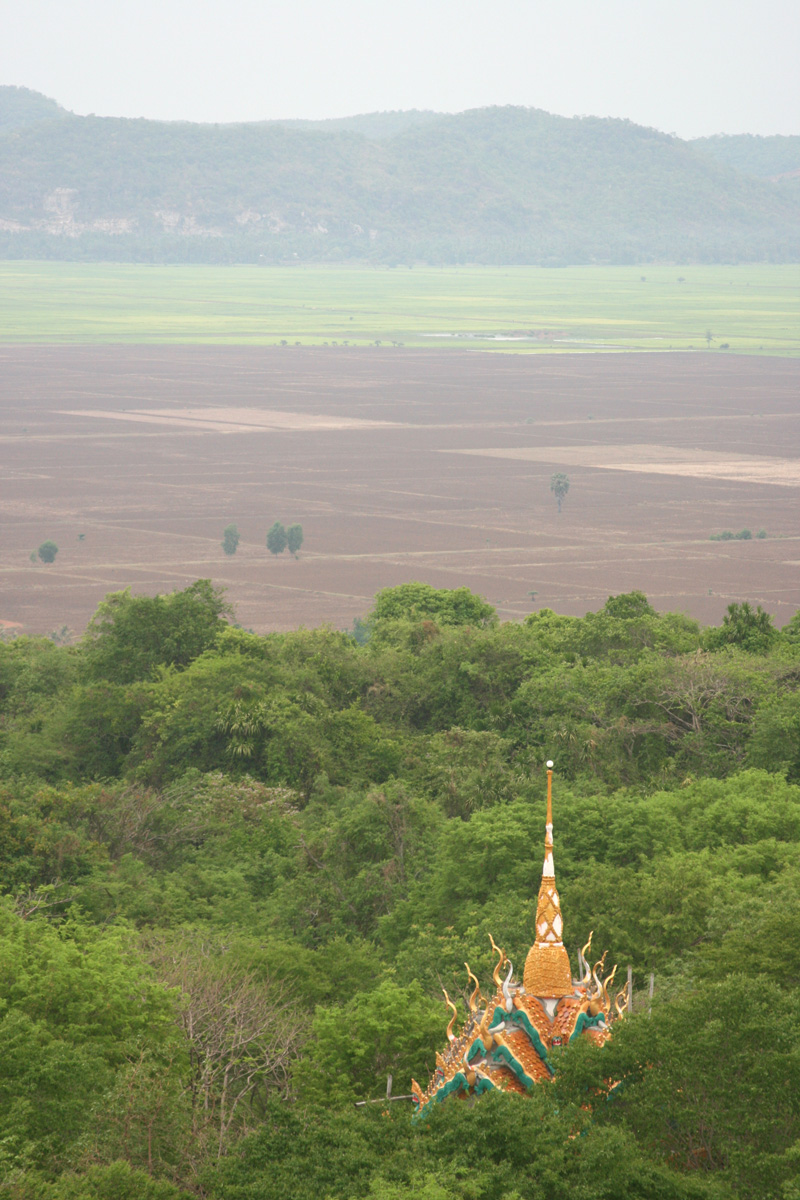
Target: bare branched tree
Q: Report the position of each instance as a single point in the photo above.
(243, 1034)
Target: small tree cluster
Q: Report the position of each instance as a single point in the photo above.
(280, 538)
(47, 552)
(744, 535)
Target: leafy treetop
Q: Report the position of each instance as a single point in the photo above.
(130, 636)
(416, 601)
(744, 626)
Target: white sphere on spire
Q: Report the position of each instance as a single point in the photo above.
(549, 764)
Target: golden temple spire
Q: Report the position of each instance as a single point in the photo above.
(547, 970)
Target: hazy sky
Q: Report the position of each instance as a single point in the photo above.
(690, 67)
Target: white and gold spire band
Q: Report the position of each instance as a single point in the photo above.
(548, 868)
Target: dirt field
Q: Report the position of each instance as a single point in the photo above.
(399, 464)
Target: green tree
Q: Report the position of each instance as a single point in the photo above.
(559, 486)
(116, 1181)
(391, 1030)
(629, 605)
(47, 552)
(130, 636)
(294, 538)
(277, 539)
(744, 626)
(506, 1148)
(76, 1003)
(709, 1084)
(791, 630)
(446, 606)
(230, 539)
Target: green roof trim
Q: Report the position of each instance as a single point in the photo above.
(503, 1054)
(521, 1020)
(584, 1021)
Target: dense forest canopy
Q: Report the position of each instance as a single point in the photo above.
(494, 185)
(237, 870)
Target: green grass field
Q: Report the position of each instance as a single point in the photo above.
(754, 309)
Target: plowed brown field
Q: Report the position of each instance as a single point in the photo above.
(399, 464)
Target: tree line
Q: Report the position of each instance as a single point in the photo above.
(279, 538)
(237, 871)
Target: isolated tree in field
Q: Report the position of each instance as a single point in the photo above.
(277, 539)
(294, 538)
(559, 486)
(47, 552)
(230, 539)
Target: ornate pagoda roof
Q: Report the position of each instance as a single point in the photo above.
(511, 1040)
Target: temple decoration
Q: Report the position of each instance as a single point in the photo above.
(511, 1041)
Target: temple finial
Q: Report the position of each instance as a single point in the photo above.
(547, 969)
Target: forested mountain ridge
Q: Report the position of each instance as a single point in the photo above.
(237, 871)
(497, 185)
(766, 157)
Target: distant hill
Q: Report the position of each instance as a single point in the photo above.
(766, 157)
(20, 106)
(495, 185)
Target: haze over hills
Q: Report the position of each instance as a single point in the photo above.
(766, 157)
(495, 185)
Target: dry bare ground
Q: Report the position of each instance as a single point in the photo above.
(399, 464)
